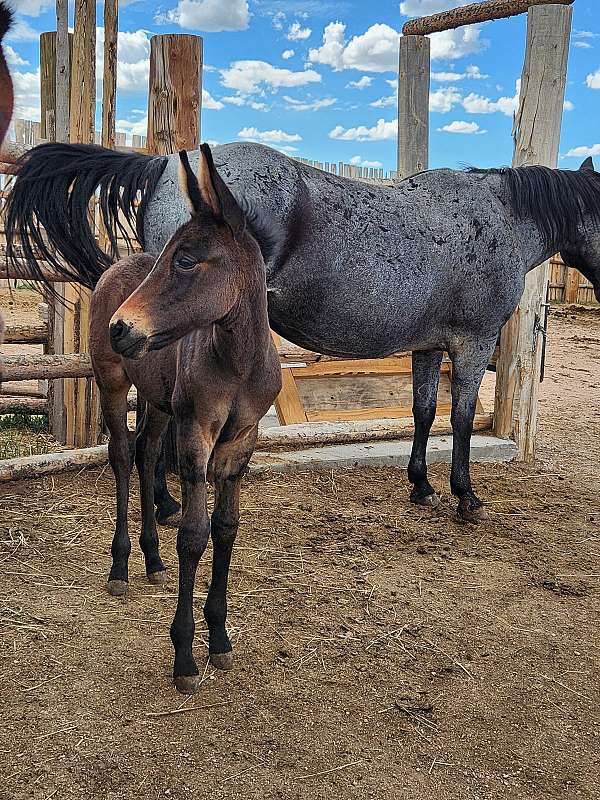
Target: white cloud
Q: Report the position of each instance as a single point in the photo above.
(208, 101)
(584, 152)
(583, 45)
(421, 8)
(32, 8)
(13, 58)
(133, 127)
(278, 20)
(568, 106)
(361, 83)
(586, 35)
(297, 33)
(247, 77)
(133, 55)
(268, 137)
(385, 102)
(376, 50)
(23, 32)
(243, 100)
(444, 100)
(477, 104)
(472, 72)
(209, 15)
(288, 54)
(458, 126)
(27, 94)
(357, 161)
(315, 105)
(383, 130)
(593, 80)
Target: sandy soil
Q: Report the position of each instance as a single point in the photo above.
(383, 651)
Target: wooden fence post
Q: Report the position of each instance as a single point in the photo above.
(572, 281)
(175, 94)
(174, 111)
(413, 105)
(537, 135)
(81, 395)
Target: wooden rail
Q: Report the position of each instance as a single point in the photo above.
(474, 13)
(46, 367)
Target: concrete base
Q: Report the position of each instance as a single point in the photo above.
(379, 454)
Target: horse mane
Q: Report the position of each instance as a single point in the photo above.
(559, 201)
(6, 18)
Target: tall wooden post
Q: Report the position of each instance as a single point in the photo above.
(413, 105)
(174, 112)
(175, 93)
(537, 136)
(109, 80)
(81, 394)
(55, 52)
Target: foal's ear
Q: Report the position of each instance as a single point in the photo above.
(588, 165)
(188, 183)
(216, 193)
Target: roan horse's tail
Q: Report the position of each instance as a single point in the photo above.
(48, 210)
(6, 86)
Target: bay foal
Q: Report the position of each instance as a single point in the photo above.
(191, 332)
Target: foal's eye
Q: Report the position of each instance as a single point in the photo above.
(185, 261)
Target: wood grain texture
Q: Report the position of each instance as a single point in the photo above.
(537, 134)
(109, 77)
(473, 13)
(175, 93)
(413, 105)
(44, 367)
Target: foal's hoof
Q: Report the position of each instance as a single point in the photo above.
(158, 578)
(188, 684)
(171, 521)
(473, 515)
(117, 588)
(429, 500)
(222, 661)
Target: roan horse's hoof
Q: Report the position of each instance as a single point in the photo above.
(117, 588)
(473, 515)
(187, 684)
(429, 500)
(158, 578)
(222, 661)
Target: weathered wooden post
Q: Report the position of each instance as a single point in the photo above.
(81, 395)
(174, 114)
(109, 78)
(537, 136)
(413, 105)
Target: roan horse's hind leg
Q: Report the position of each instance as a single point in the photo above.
(146, 455)
(228, 467)
(426, 378)
(469, 364)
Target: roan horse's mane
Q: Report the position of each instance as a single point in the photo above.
(560, 202)
(6, 17)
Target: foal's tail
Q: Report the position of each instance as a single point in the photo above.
(48, 210)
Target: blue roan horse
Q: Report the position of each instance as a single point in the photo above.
(437, 262)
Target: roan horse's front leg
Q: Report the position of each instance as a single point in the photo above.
(426, 379)
(469, 365)
(192, 537)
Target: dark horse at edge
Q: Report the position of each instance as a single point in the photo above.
(435, 263)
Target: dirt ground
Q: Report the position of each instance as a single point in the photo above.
(383, 651)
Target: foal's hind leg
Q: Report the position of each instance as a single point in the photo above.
(426, 378)
(229, 465)
(168, 510)
(469, 365)
(114, 409)
(146, 454)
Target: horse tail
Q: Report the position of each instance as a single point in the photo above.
(48, 214)
(6, 86)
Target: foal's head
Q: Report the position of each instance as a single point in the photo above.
(584, 251)
(201, 274)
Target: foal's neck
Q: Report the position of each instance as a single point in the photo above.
(242, 338)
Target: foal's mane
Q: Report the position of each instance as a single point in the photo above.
(559, 201)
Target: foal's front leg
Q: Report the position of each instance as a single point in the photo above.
(192, 538)
(426, 379)
(229, 465)
(469, 365)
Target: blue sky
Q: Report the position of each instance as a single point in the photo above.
(317, 78)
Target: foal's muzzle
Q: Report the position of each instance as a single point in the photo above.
(126, 340)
